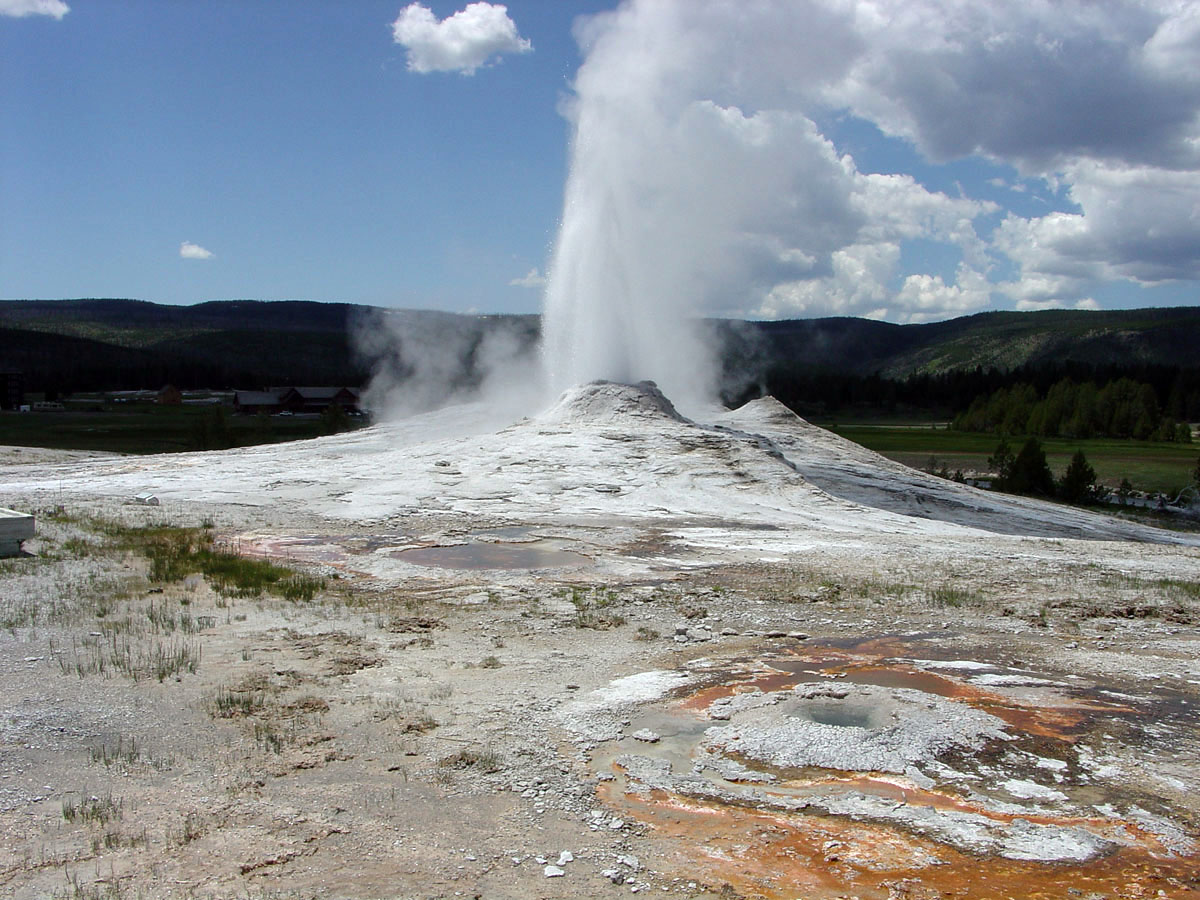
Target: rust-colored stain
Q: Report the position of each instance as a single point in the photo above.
(764, 853)
(1061, 722)
(775, 856)
(310, 549)
(864, 664)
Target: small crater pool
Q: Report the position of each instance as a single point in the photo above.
(528, 555)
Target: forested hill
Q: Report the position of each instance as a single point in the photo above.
(1005, 341)
(104, 344)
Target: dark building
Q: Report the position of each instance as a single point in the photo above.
(296, 400)
(12, 388)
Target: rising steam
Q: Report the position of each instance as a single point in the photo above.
(421, 360)
(690, 186)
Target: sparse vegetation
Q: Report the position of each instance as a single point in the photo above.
(593, 608)
(127, 754)
(234, 704)
(174, 553)
(953, 595)
(485, 761)
(177, 552)
(190, 829)
(92, 810)
(118, 653)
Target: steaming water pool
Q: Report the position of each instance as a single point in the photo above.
(529, 555)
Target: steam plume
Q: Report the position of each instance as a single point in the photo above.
(687, 182)
(422, 360)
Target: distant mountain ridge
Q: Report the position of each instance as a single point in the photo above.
(1002, 340)
(108, 344)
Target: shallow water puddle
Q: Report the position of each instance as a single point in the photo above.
(879, 769)
(528, 555)
(498, 548)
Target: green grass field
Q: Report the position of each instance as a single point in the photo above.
(145, 428)
(1149, 466)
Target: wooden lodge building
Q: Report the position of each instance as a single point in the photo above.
(297, 400)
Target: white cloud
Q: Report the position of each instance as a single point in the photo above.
(1088, 303)
(1136, 223)
(19, 8)
(462, 42)
(927, 298)
(1036, 83)
(1102, 100)
(856, 285)
(531, 279)
(188, 250)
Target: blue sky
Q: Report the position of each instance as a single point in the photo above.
(185, 151)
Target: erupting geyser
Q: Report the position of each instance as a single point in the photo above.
(673, 198)
(697, 185)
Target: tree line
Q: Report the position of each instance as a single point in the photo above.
(821, 392)
(1121, 408)
(1027, 472)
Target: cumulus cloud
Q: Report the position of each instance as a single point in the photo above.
(1140, 223)
(701, 181)
(531, 279)
(1135, 223)
(19, 8)
(188, 250)
(462, 42)
(1100, 99)
(1034, 83)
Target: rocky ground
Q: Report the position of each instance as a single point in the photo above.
(603, 652)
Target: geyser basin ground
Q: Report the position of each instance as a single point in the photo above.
(934, 691)
(934, 765)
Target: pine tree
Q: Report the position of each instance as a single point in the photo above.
(1030, 473)
(1078, 484)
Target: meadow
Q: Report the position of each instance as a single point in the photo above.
(1149, 466)
(150, 428)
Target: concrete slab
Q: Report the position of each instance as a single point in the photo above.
(15, 527)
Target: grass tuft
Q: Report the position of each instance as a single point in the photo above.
(92, 810)
(486, 761)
